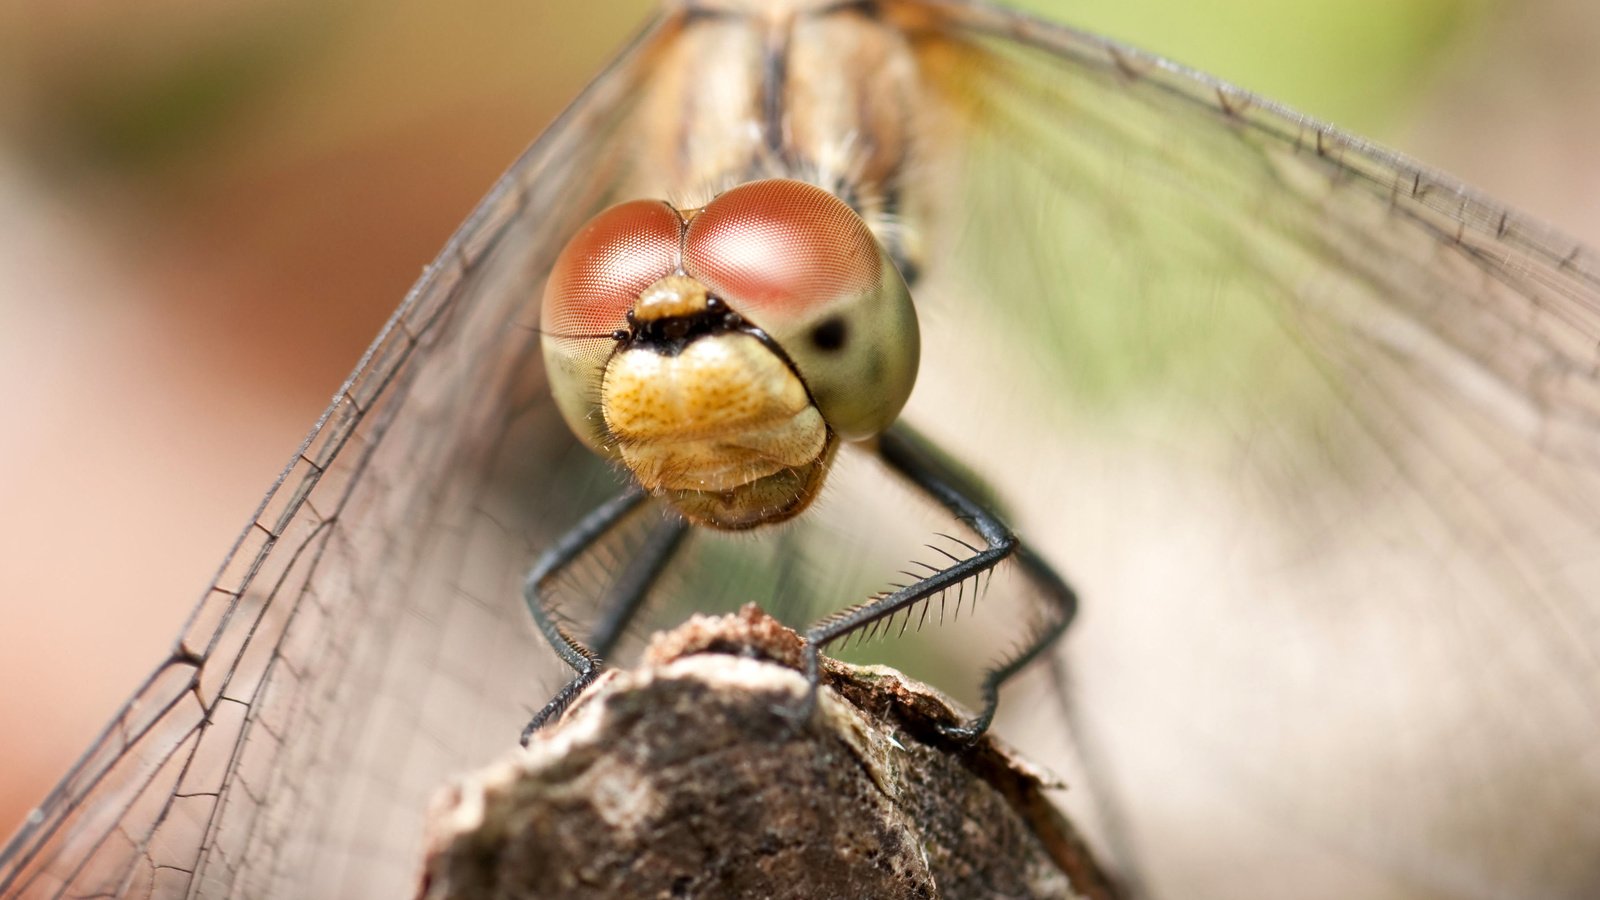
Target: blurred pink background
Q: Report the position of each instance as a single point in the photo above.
(207, 210)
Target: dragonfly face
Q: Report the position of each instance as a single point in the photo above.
(750, 336)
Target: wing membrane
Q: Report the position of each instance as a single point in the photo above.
(270, 754)
(1312, 429)
(1315, 432)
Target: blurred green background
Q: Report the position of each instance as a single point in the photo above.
(206, 211)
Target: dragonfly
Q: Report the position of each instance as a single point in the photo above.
(1310, 428)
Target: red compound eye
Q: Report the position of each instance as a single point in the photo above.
(599, 275)
(781, 248)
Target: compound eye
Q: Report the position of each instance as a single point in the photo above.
(595, 281)
(603, 269)
(781, 248)
(801, 265)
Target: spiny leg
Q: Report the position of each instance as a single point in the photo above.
(631, 588)
(633, 585)
(914, 458)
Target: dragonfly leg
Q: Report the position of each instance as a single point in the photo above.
(633, 584)
(915, 459)
(628, 594)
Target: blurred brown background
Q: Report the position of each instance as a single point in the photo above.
(207, 210)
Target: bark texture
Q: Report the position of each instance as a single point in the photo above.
(686, 778)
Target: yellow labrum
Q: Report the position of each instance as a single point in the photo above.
(720, 415)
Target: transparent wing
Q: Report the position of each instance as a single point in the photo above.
(354, 648)
(1315, 432)
(1311, 430)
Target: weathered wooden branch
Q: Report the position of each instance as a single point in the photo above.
(685, 778)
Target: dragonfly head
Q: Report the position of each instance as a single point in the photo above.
(723, 352)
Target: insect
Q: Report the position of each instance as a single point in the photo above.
(1324, 417)
(738, 341)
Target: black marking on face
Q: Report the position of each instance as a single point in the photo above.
(668, 336)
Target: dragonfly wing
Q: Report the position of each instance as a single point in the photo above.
(364, 637)
(1315, 432)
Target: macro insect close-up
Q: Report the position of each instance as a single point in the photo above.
(1013, 343)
